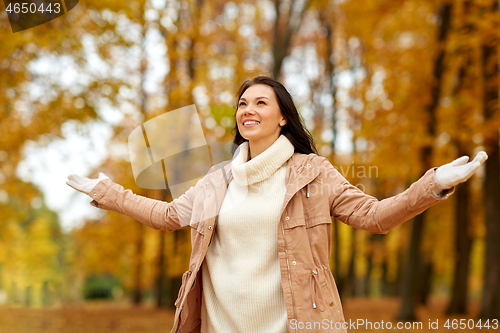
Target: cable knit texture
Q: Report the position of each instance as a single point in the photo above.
(241, 274)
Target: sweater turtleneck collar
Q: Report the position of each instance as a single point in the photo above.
(261, 166)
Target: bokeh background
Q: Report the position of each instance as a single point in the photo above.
(388, 88)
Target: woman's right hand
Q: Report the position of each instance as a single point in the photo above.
(84, 184)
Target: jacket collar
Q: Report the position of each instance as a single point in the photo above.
(301, 170)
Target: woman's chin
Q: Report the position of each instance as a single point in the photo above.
(249, 136)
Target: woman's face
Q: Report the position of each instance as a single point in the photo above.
(259, 116)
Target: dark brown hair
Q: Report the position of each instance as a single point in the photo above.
(294, 128)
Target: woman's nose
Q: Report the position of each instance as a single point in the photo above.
(248, 110)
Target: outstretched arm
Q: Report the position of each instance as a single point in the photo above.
(157, 214)
(353, 207)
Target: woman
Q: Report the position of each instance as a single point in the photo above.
(261, 224)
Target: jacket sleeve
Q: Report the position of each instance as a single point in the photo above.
(350, 205)
(156, 214)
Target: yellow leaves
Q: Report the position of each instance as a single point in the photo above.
(42, 250)
(30, 252)
(388, 47)
(101, 247)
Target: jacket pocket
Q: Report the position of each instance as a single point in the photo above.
(317, 220)
(290, 223)
(307, 222)
(185, 278)
(334, 297)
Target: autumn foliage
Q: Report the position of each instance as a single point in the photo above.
(388, 89)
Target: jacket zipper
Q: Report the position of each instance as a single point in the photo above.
(288, 271)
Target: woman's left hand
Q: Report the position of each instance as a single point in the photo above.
(84, 184)
(458, 171)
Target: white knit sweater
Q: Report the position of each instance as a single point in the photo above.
(241, 275)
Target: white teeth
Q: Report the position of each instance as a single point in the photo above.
(250, 122)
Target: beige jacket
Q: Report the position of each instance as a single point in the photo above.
(315, 191)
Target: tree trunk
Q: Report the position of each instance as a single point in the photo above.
(491, 288)
(387, 288)
(330, 73)
(463, 243)
(399, 273)
(142, 106)
(13, 293)
(160, 279)
(326, 21)
(349, 283)
(137, 291)
(28, 296)
(188, 21)
(407, 310)
(366, 282)
(161, 290)
(424, 275)
(286, 24)
(45, 294)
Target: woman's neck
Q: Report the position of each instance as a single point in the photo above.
(256, 147)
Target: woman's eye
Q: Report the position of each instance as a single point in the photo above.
(243, 103)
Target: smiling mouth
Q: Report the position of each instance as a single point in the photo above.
(249, 123)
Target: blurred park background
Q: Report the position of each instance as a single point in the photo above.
(394, 87)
